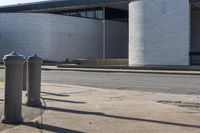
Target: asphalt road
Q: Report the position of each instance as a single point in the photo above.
(178, 84)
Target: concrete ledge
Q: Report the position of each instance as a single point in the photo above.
(171, 68)
(101, 62)
(117, 70)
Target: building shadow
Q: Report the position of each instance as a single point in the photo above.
(55, 94)
(68, 101)
(123, 118)
(50, 128)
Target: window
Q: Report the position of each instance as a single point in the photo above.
(95, 13)
(99, 14)
(116, 14)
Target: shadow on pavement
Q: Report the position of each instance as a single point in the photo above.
(122, 117)
(79, 92)
(50, 128)
(60, 100)
(55, 94)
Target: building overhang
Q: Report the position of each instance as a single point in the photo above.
(47, 6)
(195, 5)
(194, 1)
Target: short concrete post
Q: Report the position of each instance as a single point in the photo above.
(13, 88)
(34, 80)
(25, 76)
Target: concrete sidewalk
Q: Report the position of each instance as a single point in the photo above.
(77, 109)
(164, 71)
(28, 113)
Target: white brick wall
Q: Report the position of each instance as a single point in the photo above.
(159, 32)
(53, 37)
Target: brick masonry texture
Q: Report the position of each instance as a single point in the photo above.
(159, 32)
(57, 37)
(53, 37)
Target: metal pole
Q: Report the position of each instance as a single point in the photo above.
(25, 76)
(104, 33)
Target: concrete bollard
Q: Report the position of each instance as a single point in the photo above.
(25, 76)
(34, 80)
(13, 88)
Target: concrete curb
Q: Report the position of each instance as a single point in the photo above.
(150, 67)
(145, 70)
(172, 72)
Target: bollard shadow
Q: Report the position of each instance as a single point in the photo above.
(67, 94)
(123, 118)
(55, 94)
(50, 128)
(68, 101)
(43, 107)
(79, 92)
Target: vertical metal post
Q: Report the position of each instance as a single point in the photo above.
(104, 33)
(34, 80)
(13, 88)
(25, 76)
(190, 35)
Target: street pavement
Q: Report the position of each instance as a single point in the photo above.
(165, 83)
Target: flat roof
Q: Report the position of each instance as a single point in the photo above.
(54, 4)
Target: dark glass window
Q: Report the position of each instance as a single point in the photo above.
(77, 14)
(83, 14)
(99, 14)
(95, 13)
(116, 14)
(90, 14)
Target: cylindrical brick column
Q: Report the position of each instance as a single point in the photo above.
(34, 80)
(25, 76)
(13, 88)
(159, 32)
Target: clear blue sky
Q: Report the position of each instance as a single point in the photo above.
(10, 2)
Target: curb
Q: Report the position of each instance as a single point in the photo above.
(126, 71)
(142, 71)
(124, 67)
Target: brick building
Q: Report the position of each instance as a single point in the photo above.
(147, 32)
